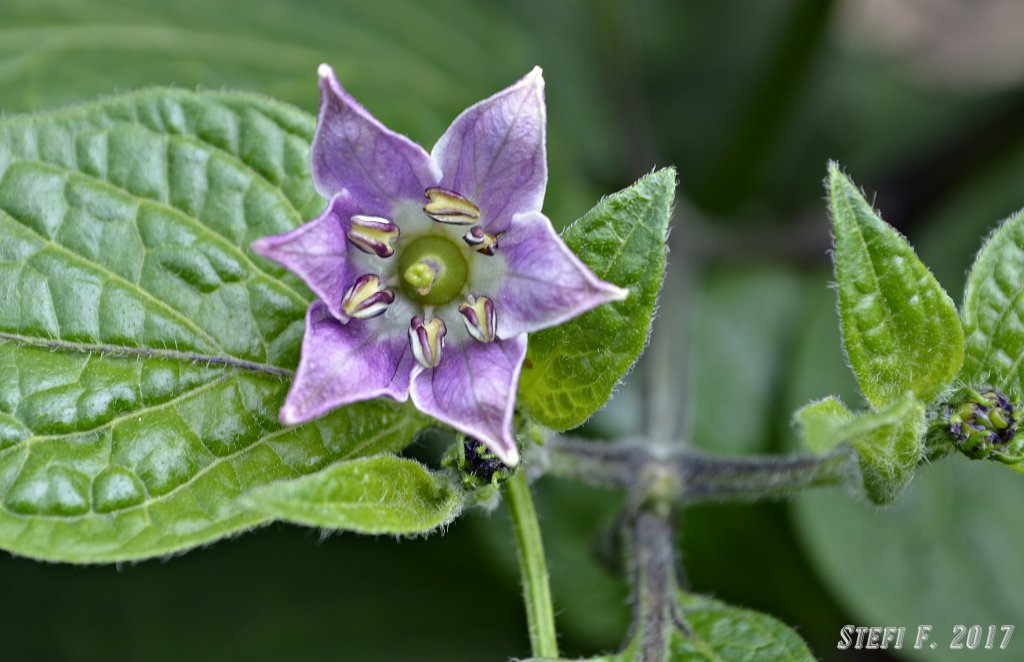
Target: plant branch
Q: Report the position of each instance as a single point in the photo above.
(685, 476)
(651, 546)
(533, 568)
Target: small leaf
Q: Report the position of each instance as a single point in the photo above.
(376, 495)
(144, 349)
(900, 328)
(888, 441)
(889, 445)
(570, 370)
(722, 633)
(822, 421)
(993, 311)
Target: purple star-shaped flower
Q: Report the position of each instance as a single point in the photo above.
(430, 268)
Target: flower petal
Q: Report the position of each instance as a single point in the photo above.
(474, 391)
(345, 363)
(493, 153)
(353, 150)
(317, 252)
(545, 283)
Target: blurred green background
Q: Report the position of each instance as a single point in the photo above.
(921, 101)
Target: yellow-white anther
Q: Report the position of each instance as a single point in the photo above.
(427, 340)
(480, 241)
(480, 319)
(446, 206)
(373, 235)
(366, 298)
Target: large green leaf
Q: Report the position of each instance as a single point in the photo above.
(900, 328)
(993, 311)
(571, 369)
(381, 494)
(144, 350)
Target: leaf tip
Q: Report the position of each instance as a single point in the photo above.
(837, 180)
(667, 177)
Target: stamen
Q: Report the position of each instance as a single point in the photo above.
(427, 340)
(366, 298)
(480, 241)
(447, 206)
(480, 318)
(421, 275)
(374, 235)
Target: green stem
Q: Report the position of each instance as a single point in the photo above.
(533, 569)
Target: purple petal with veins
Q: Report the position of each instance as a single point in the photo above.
(493, 154)
(317, 252)
(521, 276)
(352, 150)
(545, 283)
(345, 363)
(474, 391)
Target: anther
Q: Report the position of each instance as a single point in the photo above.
(480, 241)
(366, 298)
(479, 317)
(447, 206)
(427, 340)
(374, 235)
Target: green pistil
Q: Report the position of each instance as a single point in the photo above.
(421, 276)
(433, 269)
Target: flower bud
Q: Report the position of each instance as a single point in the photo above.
(983, 426)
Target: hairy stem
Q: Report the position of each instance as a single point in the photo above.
(651, 545)
(710, 478)
(533, 568)
(684, 476)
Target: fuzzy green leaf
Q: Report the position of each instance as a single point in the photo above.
(376, 495)
(144, 349)
(571, 369)
(887, 441)
(722, 633)
(993, 312)
(821, 423)
(900, 329)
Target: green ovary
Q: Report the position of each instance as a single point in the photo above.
(433, 270)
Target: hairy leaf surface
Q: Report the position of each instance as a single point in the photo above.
(993, 312)
(144, 349)
(571, 369)
(722, 633)
(887, 441)
(377, 495)
(900, 329)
